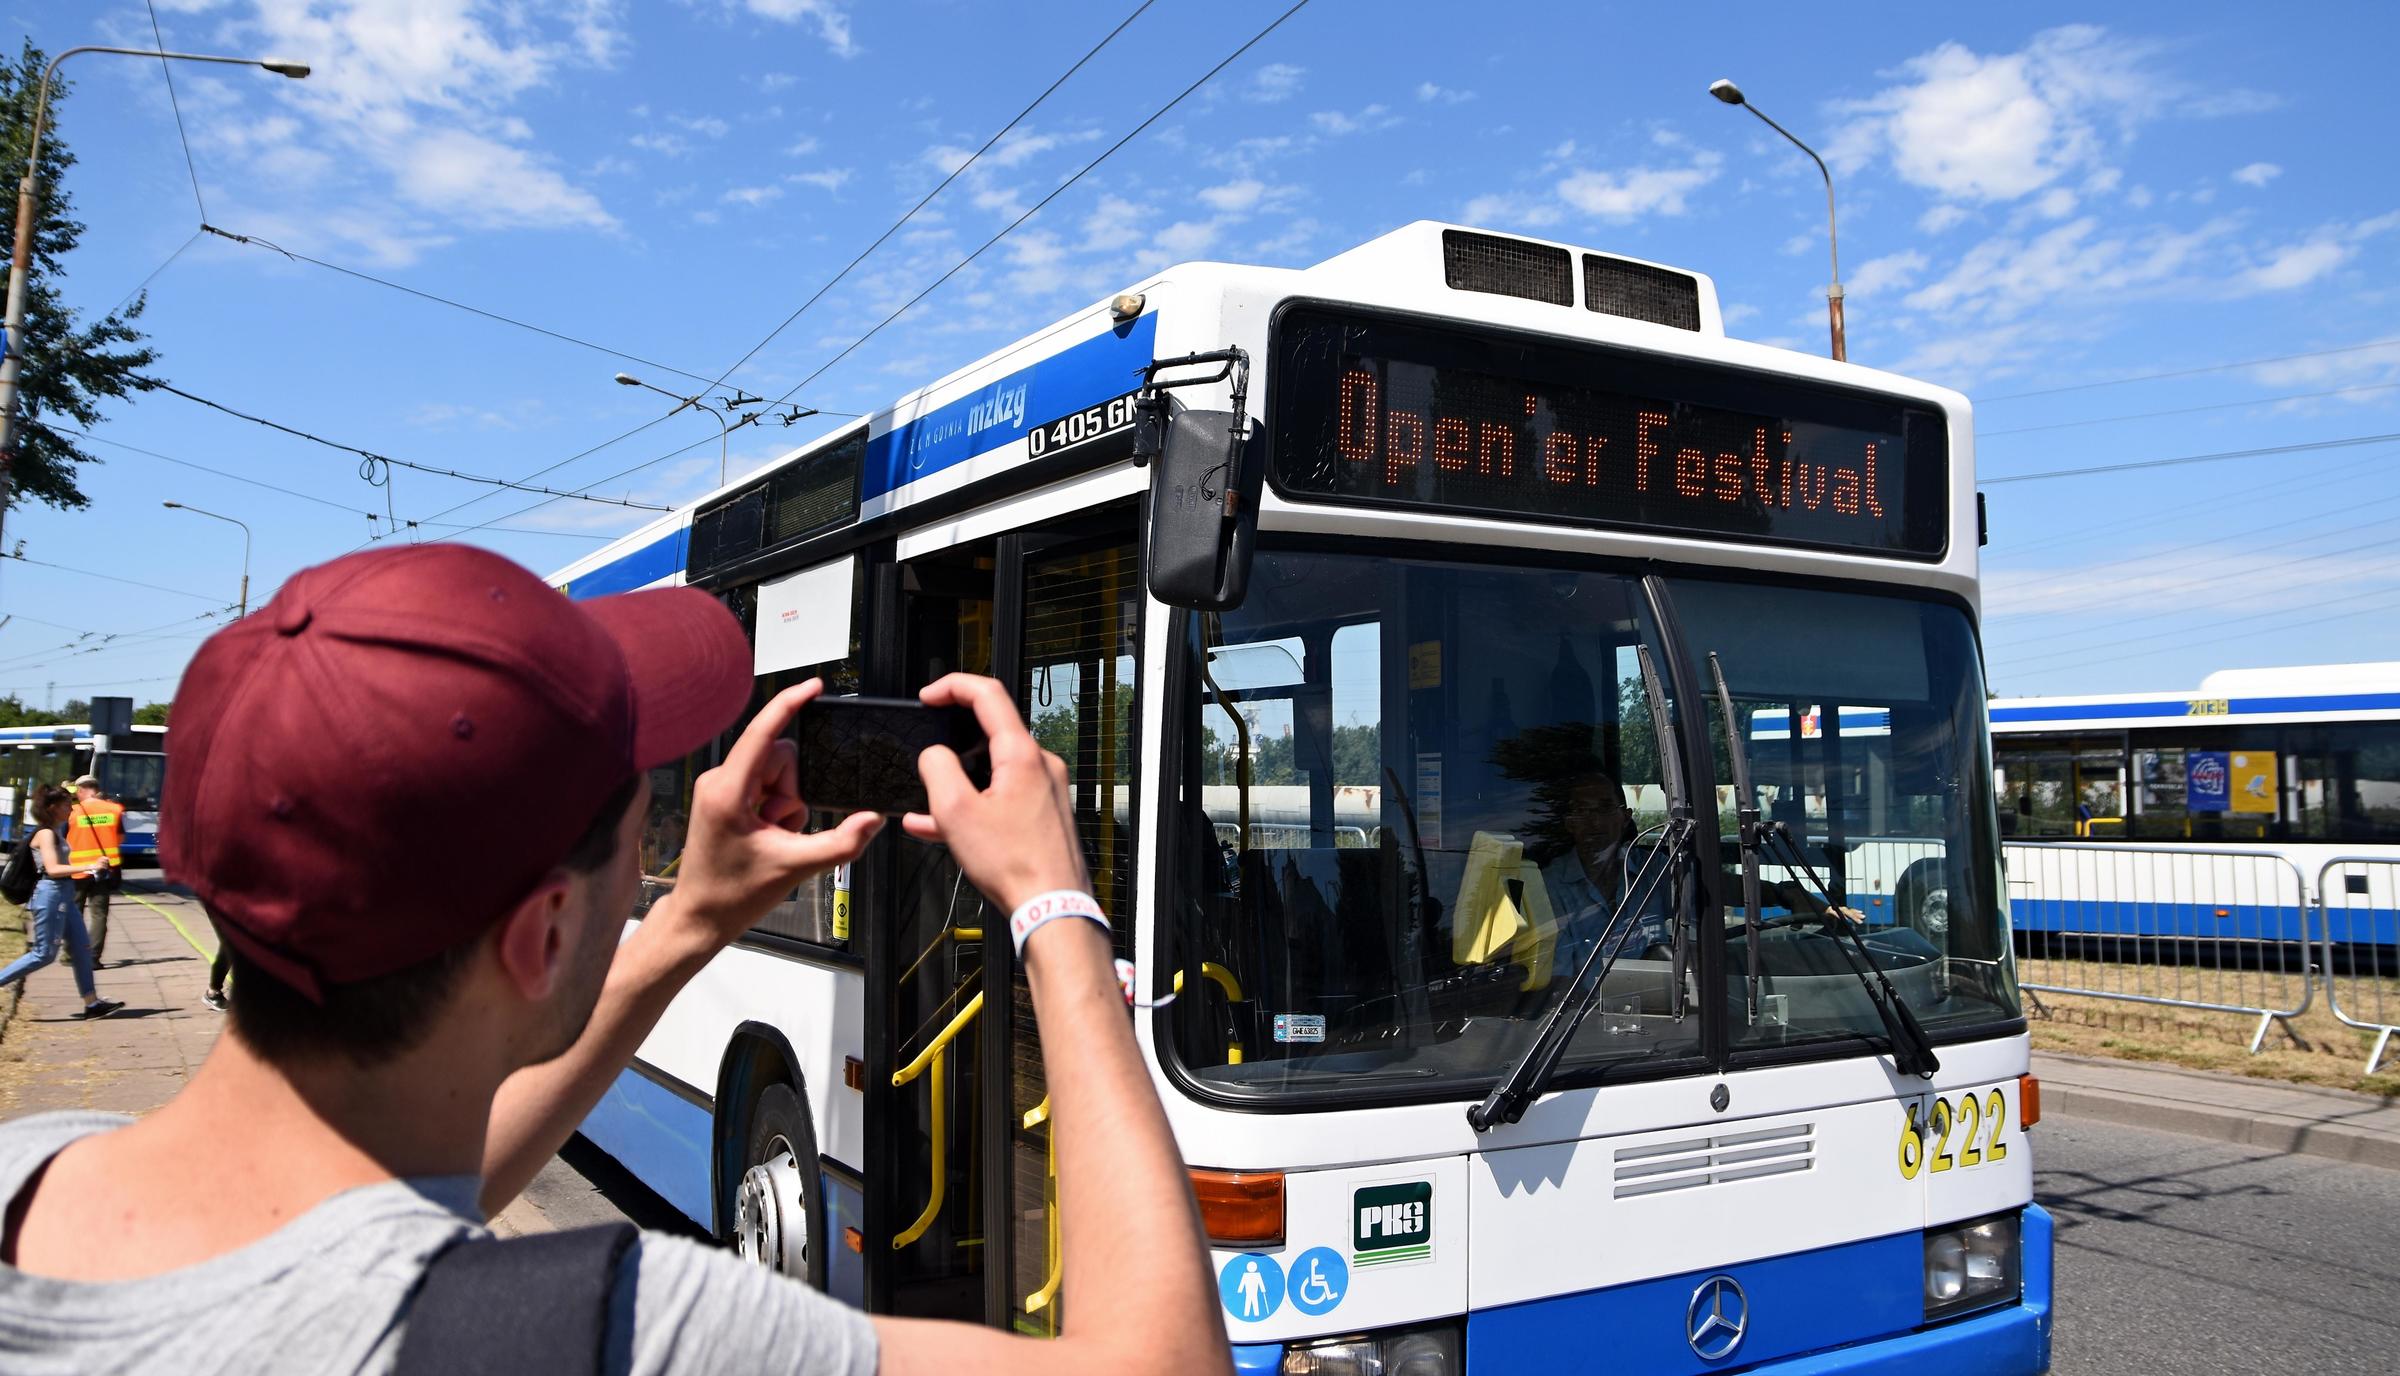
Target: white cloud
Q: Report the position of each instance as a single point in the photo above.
(1886, 274)
(752, 196)
(1429, 93)
(1940, 218)
(1974, 128)
(2004, 277)
(708, 126)
(2257, 174)
(831, 23)
(1337, 123)
(491, 185)
(2055, 204)
(776, 81)
(1234, 196)
(830, 179)
(2297, 265)
(1113, 224)
(1638, 191)
(801, 147)
(1502, 211)
(1187, 239)
(1277, 81)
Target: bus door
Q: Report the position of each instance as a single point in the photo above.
(926, 1252)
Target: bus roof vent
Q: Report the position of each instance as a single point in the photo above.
(1639, 291)
(1508, 267)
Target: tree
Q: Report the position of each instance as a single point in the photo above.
(151, 714)
(68, 367)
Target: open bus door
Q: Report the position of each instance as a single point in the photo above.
(961, 1204)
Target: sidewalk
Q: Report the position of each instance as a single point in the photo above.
(2305, 1119)
(131, 1062)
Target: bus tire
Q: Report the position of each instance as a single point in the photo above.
(778, 1207)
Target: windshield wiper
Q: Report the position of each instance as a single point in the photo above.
(1531, 1075)
(1912, 1052)
(1745, 805)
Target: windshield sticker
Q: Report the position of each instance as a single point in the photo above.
(1392, 1224)
(1299, 1027)
(1319, 1280)
(1251, 1286)
(1429, 802)
(1425, 665)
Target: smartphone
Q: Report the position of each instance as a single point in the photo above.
(860, 754)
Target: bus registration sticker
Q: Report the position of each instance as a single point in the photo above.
(1391, 1224)
(1299, 1027)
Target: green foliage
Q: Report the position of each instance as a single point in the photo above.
(69, 367)
(14, 712)
(151, 714)
(1357, 757)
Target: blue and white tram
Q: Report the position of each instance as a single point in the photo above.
(2239, 793)
(1375, 747)
(133, 770)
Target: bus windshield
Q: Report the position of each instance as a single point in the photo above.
(1415, 794)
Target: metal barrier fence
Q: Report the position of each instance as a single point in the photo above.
(2358, 902)
(2221, 931)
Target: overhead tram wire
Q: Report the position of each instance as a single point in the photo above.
(2167, 514)
(1061, 189)
(2112, 633)
(1982, 435)
(2191, 372)
(837, 278)
(180, 250)
(2349, 443)
(368, 458)
(167, 69)
(493, 316)
(2392, 599)
(87, 573)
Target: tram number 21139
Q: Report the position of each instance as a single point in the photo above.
(1091, 423)
(1960, 1131)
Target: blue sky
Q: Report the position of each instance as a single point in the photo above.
(2033, 198)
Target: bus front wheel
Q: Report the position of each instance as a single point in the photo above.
(776, 1204)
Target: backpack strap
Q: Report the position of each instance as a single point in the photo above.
(507, 1306)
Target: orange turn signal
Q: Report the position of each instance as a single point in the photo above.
(1240, 1208)
(2029, 1101)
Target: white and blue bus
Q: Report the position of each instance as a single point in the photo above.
(2275, 774)
(132, 769)
(1347, 689)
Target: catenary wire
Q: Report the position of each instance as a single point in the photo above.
(2188, 410)
(127, 298)
(830, 283)
(2351, 442)
(369, 458)
(2164, 515)
(2113, 632)
(129, 582)
(167, 70)
(490, 315)
(2264, 630)
(1035, 208)
(2191, 372)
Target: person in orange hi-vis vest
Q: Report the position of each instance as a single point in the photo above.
(96, 850)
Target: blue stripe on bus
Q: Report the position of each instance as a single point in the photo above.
(2197, 921)
(1001, 412)
(635, 568)
(662, 1139)
(2182, 708)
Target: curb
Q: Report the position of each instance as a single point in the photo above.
(2275, 1132)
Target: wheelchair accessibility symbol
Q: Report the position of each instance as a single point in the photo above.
(1318, 1281)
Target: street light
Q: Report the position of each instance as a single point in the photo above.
(1732, 95)
(682, 401)
(245, 603)
(22, 259)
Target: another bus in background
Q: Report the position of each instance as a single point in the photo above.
(132, 769)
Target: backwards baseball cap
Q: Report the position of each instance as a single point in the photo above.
(387, 757)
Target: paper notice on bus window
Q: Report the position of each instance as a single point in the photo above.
(2254, 781)
(1429, 801)
(804, 617)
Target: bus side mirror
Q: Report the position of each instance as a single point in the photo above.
(1206, 471)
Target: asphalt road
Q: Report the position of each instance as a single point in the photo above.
(2178, 1254)
(2175, 1254)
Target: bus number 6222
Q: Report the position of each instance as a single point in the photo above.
(1954, 1135)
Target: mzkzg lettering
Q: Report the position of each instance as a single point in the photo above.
(1391, 1223)
(1005, 406)
(1554, 442)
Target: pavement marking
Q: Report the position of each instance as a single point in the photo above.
(205, 952)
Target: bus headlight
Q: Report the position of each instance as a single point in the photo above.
(1431, 1351)
(1972, 1265)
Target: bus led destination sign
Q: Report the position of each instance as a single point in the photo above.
(1369, 410)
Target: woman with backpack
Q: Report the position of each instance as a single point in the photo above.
(55, 916)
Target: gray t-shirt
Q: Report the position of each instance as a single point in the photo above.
(329, 1292)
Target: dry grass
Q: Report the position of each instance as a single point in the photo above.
(2318, 1050)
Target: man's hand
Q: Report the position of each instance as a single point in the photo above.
(745, 849)
(1015, 839)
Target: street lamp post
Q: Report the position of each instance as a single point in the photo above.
(21, 260)
(1732, 95)
(244, 606)
(695, 403)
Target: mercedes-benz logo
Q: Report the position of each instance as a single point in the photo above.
(1718, 1317)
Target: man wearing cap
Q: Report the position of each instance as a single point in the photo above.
(429, 1008)
(96, 848)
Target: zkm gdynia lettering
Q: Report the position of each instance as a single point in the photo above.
(1648, 454)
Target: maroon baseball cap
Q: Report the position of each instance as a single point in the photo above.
(387, 757)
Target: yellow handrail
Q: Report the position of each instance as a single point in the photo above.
(936, 1054)
(1222, 978)
(1040, 1299)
